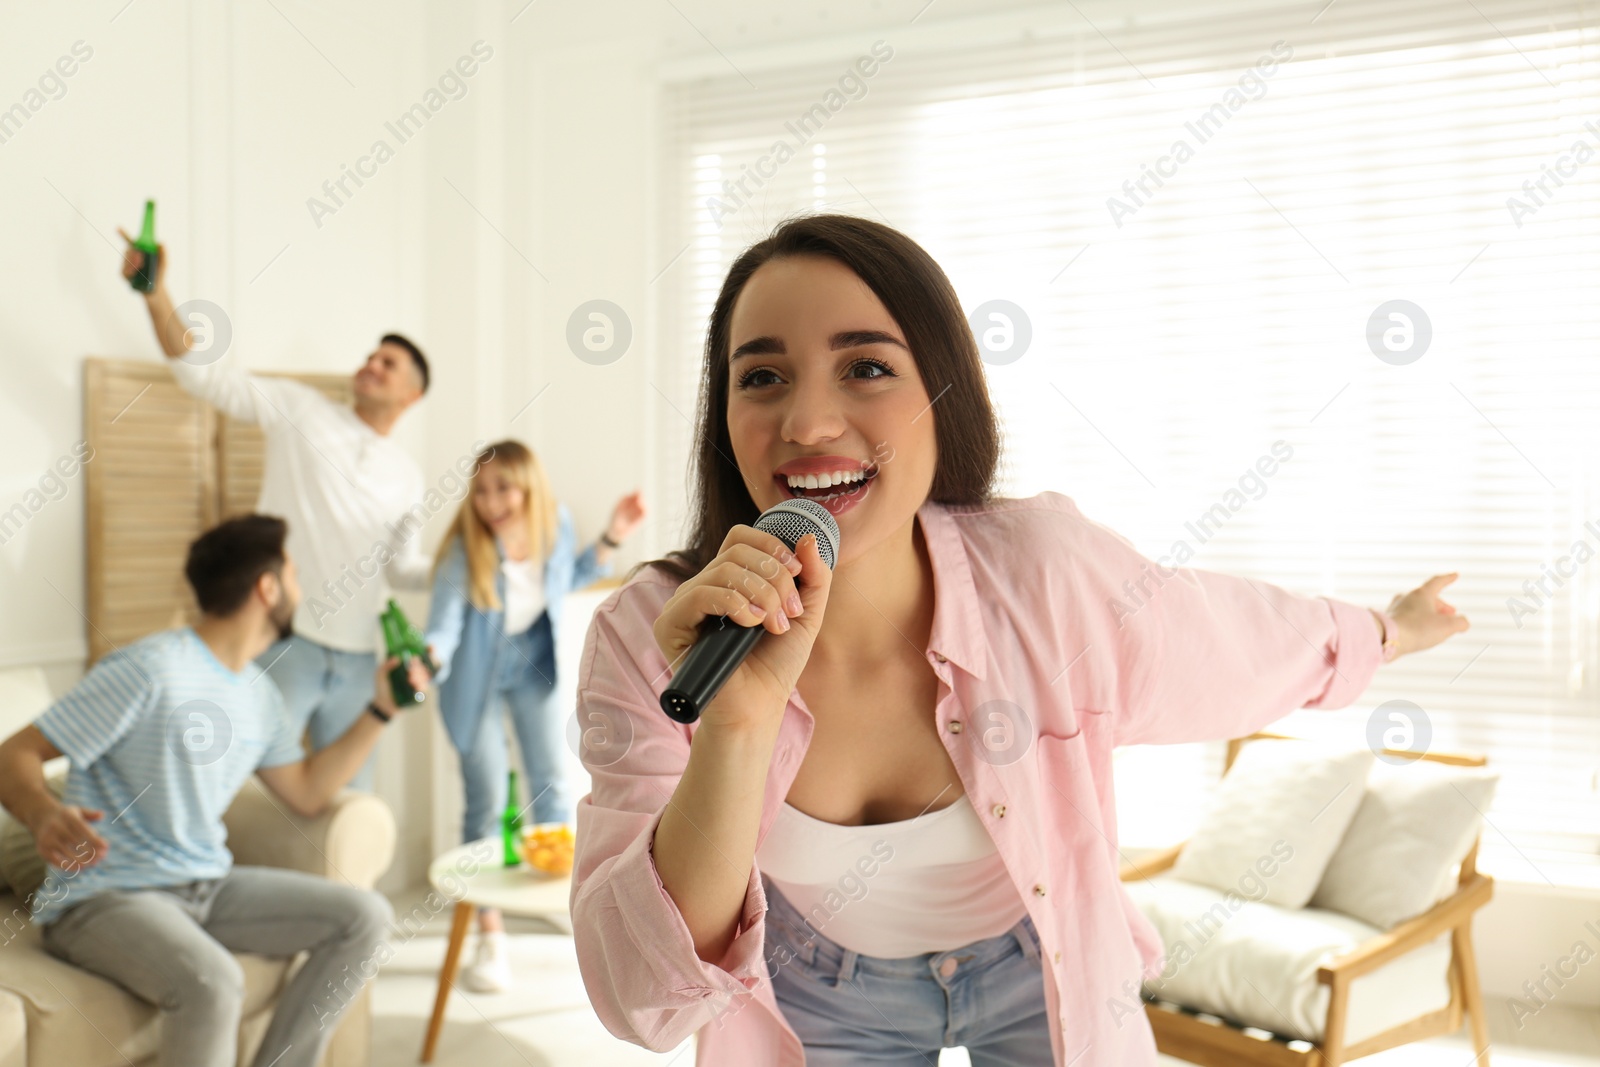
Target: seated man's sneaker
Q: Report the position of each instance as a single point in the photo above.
(490, 971)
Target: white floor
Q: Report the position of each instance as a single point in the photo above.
(546, 1020)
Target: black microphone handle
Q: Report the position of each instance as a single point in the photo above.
(722, 646)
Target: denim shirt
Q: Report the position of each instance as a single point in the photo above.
(469, 643)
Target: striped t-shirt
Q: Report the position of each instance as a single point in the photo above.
(161, 736)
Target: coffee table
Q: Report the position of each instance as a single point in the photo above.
(474, 876)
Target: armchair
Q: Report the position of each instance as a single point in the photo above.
(1411, 948)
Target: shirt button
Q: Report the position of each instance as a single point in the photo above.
(1038, 890)
(1058, 957)
(940, 657)
(999, 811)
(954, 726)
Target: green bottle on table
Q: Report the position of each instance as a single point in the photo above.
(511, 822)
(402, 641)
(144, 279)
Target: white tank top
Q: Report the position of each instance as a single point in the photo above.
(926, 884)
(524, 595)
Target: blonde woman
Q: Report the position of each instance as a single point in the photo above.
(499, 579)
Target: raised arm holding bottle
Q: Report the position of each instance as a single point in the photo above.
(351, 493)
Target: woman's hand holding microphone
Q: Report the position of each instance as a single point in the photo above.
(755, 581)
(704, 845)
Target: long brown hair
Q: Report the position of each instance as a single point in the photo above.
(526, 472)
(921, 300)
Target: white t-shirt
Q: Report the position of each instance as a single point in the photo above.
(524, 594)
(345, 489)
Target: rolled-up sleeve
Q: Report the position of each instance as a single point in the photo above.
(635, 951)
(1193, 655)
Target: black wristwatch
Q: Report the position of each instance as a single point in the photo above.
(381, 714)
(605, 539)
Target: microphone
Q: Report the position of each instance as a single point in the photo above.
(723, 644)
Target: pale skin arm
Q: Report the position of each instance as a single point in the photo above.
(171, 333)
(1424, 618)
(705, 844)
(308, 786)
(626, 517)
(61, 832)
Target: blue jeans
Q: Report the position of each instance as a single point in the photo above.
(325, 690)
(849, 1009)
(526, 694)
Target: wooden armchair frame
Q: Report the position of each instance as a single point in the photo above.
(1198, 1040)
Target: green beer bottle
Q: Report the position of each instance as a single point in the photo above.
(401, 641)
(511, 822)
(144, 279)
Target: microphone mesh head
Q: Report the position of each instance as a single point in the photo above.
(793, 519)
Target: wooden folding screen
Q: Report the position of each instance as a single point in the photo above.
(166, 467)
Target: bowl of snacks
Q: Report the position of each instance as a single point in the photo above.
(547, 848)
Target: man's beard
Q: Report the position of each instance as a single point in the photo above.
(282, 617)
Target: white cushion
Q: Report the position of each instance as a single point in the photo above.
(1275, 820)
(1414, 826)
(1256, 964)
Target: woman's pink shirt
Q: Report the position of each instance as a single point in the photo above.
(1053, 641)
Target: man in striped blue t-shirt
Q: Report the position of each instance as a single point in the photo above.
(161, 736)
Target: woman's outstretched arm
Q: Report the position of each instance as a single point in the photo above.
(1182, 654)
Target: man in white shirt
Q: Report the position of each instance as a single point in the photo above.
(347, 490)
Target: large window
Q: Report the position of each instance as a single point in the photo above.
(1368, 241)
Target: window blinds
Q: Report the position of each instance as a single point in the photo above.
(1203, 227)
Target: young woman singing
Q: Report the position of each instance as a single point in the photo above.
(904, 793)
